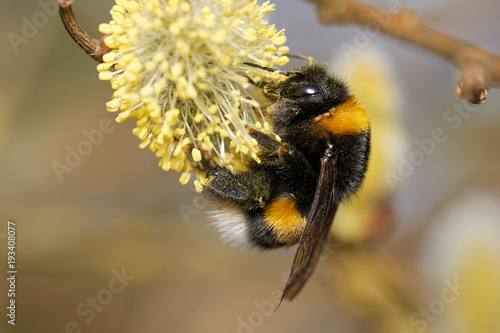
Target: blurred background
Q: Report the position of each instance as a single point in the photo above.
(109, 242)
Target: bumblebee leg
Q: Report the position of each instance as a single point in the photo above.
(290, 163)
(296, 172)
(239, 188)
(235, 188)
(259, 84)
(288, 157)
(264, 140)
(206, 165)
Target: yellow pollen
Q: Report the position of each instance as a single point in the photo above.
(177, 67)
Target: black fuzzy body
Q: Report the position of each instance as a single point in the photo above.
(291, 168)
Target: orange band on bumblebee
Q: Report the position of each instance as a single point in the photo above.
(349, 117)
(285, 220)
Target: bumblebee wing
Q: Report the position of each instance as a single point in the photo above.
(319, 220)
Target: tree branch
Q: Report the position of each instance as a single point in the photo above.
(93, 47)
(480, 69)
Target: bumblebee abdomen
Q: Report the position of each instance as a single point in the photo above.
(277, 224)
(284, 220)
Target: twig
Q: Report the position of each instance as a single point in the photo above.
(480, 69)
(93, 47)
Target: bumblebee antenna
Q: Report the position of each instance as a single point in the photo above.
(269, 69)
(310, 60)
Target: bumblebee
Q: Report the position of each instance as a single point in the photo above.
(318, 160)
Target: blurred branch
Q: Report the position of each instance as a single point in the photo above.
(480, 69)
(93, 47)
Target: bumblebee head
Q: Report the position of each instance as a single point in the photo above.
(315, 97)
(312, 88)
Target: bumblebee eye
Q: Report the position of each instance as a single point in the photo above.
(304, 90)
